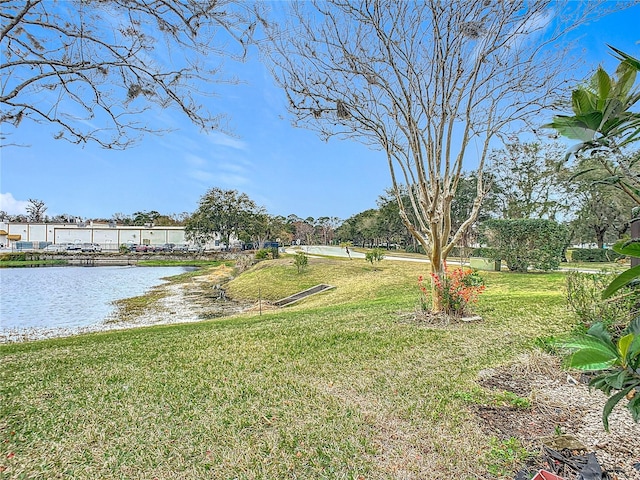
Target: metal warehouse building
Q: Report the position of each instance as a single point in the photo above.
(108, 235)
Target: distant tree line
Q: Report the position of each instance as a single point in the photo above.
(524, 180)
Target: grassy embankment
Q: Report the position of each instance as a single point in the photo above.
(27, 259)
(343, 385)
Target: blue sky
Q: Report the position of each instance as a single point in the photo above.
(286, 170)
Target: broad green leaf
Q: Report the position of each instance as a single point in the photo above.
(571, 127)
(583, 101)
(591, 120)
(588, 341)
(621, 280)
(601, 382)
(630, 247)
(591, 359)
(604, 86)
(610, 115)
(623, 346)
(626, 78)
(623, 57)
(618, 381)
(611, 403)
(633, 355)
(599, 331)
(634, 326)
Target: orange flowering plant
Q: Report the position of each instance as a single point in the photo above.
(456, 289)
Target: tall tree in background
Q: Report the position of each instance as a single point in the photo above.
(430, 83)
(263, 227)
(602, 208)
(90, 67)
(220, 212)
(35, 210)
(528, 181)
(327, 227)
(463, 204)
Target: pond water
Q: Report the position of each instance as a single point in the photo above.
(70, 297)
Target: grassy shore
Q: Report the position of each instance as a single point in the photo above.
(32, 263)
(343, 385)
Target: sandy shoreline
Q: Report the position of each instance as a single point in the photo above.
(175, 307)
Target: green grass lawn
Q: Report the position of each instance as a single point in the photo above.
(343, 385)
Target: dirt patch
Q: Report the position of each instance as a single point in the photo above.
(563, 415)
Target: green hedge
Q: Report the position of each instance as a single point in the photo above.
(592, 255)
(524, 243)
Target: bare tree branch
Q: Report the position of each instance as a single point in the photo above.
(93, 67)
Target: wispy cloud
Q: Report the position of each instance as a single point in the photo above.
(195, 160)
(12, 206)
(232, 180)
(530, 29)
(202, 175)
(220, 139)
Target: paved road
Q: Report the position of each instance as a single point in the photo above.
(330, 251)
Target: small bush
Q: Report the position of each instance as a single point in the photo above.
(584, 296)
(592, 255)
(457, 289)
(374, 256)
(416, 249)
(263, 254)
(301, 262)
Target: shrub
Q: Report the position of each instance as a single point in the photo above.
(584, 296)
(374, 256)
(616, 360)
(592, 255)
(456, 289)
(414, 249)
(301, 261)
(262, 254)
(524, 243)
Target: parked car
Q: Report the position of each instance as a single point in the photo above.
(168, 247)
(55, 248)
(183, 247)
(142, 248)
(91, 247)
(74, 246)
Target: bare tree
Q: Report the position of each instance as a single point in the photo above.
(91, 67)
(430, 83)
(327, 226)
(35, 210)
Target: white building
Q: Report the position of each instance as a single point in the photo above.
(108, 235)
